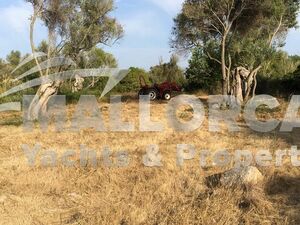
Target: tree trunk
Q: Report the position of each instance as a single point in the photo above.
(78, 84)
(237, 85)
(243, 83)
(224, 72)
(251, 83)
(39, 104)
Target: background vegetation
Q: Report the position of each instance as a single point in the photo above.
(257, 47)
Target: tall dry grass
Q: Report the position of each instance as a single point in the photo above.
(137, 194)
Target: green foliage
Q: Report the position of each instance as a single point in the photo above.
(7, 78)
(131, 83)
(295, 59)
(296, 74)
(167, 72)
(7, 82)
(14, 58)
(250, 53)
(236, 33)
(280, 65)
(79, 24)
(202, 73)
(282, 86)
(5, 69)
(97, 58)
(203, 20)
(88, 25)
(43, 47)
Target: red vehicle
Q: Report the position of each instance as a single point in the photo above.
(159, 91)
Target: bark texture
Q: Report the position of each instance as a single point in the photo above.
(243, 83)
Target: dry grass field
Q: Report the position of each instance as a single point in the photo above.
(138, 194)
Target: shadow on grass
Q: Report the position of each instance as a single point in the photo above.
(284, 191)
(291, 138)
(15, 121)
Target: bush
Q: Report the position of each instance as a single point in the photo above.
(202, 73)
(167, 72)
(281, 87)
(131, 83)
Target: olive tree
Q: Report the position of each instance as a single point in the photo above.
(74, 28)
(245, 31)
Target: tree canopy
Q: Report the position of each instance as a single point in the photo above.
(78, 25)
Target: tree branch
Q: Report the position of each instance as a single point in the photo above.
(36, 10)
(212, 58)
(276, 31)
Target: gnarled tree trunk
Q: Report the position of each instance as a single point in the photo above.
(39, 104)
(78, 84)
(243, 83)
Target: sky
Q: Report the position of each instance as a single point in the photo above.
(147, 25)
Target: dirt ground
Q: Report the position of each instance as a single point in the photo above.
(137, 194)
